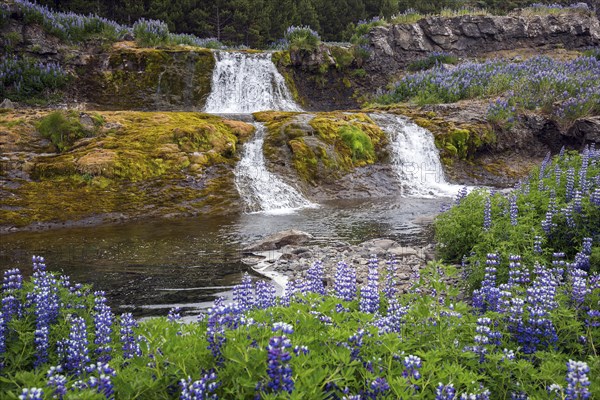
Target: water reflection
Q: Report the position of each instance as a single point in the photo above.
(147, 267)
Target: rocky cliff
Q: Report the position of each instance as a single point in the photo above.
(393, 47)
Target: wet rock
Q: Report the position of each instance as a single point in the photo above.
(379, 243)
(403, 251)
(279, 240)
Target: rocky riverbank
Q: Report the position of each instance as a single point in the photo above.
(288, 255)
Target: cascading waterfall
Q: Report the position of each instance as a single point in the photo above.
(260, 189)
(246, 83)
(415, 158)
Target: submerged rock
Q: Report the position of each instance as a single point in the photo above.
(279, 240)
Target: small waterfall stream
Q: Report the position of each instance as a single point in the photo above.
(415, 157)
(246, 83)
(260, 189)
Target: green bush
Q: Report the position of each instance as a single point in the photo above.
(302, 38)
(358, 142)
(64, 128)
(557, 225)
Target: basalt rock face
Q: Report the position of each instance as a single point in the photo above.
(393, 47)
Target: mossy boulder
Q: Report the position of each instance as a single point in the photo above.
(138, 164)
(323, 146)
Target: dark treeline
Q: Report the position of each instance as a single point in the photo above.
(256, 23)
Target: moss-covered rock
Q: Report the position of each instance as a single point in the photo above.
(138, 164)
(144, 78)
(323, 146)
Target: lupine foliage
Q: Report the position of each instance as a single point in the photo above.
(555, 210)
(526, 338)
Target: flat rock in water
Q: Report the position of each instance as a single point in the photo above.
(381, 243)
(280, 239)
(403, 251)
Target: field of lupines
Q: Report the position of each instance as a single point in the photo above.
(566, 90)
(552, 216)
(76, 28)
(22, 78)
(530, 330)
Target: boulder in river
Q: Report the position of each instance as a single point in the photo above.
(279, 240)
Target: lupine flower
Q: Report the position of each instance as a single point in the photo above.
(131, 346)
(278, 365)
(537, 245)
(369, 294)
(392, 321)
(577, 381)
(75, 348)
(174, 314)
(345, 282)
(485, 338)
(103, 320)
(57, 381)
(547, 223)
(389, 289)
(243, 293)
(411, 372)
(264, 295)
(200, 390)
(445, 392)
(314, 277)
(486, 298)
(100, 378)
(32, 394)
(462, 193)
(570, 184)
(220, 318)
(283, 327)
(514, 210)
(487, 214)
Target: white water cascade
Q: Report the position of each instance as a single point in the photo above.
(260, 189)
(246, 83)
(415, 158)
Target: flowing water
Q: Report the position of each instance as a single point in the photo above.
(260, 189)
(415, 158)
(246, 83)
(148, 267)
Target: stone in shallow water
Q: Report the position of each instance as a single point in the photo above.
(279, 240)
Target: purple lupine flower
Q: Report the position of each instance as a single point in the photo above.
(593, 319)
(393, 320)
(486, 298)
(411, 372)
(220, 318)
(13, 280)
(355, 344)
(345, 282)
(485, 338)
(577, 381)
(283, 327)
(585, 159)
(379, 387)
(57, 382)
(174, 314)
(547, 223)
(557, 174)
(314, 277)
(131, 345)
(265, 295)
(100, 378)
(369, 294)
(487, 214)
(32, 394)
(514, 210)
(537, 245)
(484, 395)
(301, 350)
(462, 193)
(445, 392)
(389, 289)
(103, 320)
(568, 213)
(2, 338)
(278, 365)
(587, 246)
(243, 293)
(570, 186)
(579, 288)
(200, 390)
(75, 349)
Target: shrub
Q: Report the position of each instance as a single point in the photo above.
(25, 78)
(556, 210)
(64, 128)
(358, 142)
(302, 38)
(150, 32)
(432, 60)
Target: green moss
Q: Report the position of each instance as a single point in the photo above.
(63, 128)
(343, 57)
(359, 143)
(305, 160)
(144, 165)
(282, 61)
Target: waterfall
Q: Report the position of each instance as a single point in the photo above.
(246, 83)
(260, 189)
(415, 157)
